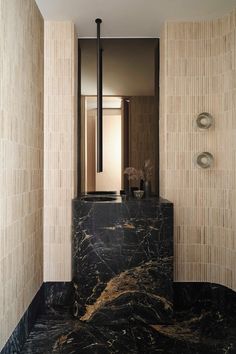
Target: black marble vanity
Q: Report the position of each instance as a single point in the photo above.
(122, 290)
(122, 260)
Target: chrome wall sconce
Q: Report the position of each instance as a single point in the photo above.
(204, 121)
(204, 160)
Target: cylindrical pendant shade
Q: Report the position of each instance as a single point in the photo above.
(99, 101)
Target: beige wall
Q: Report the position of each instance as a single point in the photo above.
(59, 147)
(21, 160)
(198, 73)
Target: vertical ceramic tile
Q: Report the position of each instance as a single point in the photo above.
(59, 146)
(21, 160)
(197, 71)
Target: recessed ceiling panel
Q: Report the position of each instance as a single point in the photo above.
(131, 18)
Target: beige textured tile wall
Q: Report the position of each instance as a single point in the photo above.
(21, 159)
(198, 73)
(59, 147)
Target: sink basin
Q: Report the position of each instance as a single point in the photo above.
(101, 193)
(98, 198)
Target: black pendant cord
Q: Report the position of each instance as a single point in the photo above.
(99, 101)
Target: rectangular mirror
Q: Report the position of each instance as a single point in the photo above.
(130, 111)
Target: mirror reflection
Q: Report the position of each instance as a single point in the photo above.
(130, 111)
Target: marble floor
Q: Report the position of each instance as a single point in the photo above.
(201, 329)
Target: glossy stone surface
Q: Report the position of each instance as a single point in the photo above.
(123, 261)
(123, 291)
(57, 294)
(204, 322)
(18, 338)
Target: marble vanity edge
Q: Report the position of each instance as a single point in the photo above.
(49, 294)
(20, 334)
(58, 294)
(203, 294)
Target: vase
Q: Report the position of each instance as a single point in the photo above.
(141, 185)
(147, 189)
(128, 191)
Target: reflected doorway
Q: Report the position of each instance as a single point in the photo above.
(111, 177)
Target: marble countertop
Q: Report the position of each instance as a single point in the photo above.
(119, 199)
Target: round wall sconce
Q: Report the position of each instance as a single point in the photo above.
(204, 121)
(204, 160)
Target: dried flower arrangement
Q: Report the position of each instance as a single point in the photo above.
(133, 174)
(144, 174)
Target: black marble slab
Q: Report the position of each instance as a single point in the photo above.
(204, 326)
(57, 293)
(123, 261)
(19, 336)
(204, 295)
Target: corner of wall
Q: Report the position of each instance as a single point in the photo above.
(21, 174)
(60, 119)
